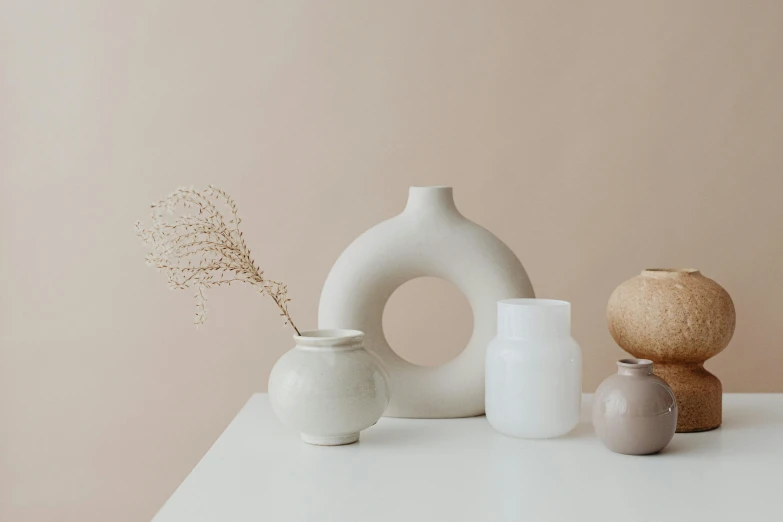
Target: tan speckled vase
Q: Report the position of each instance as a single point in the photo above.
(678, 319)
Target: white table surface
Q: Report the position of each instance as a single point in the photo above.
(462, 470)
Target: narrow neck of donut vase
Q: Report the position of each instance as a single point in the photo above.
(431, 200)
(534, 318)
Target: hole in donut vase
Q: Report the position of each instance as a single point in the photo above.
(427, 321)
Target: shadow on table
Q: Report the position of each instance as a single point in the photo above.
(395, 434)
(583, 430)
(737, 418)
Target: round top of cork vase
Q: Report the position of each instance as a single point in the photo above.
(671, 314)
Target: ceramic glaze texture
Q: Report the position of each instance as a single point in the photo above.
(678, 319)
(429, 238)
(329, 387)
(534, 370)
(634, 411)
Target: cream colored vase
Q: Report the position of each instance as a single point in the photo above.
(328, 387)
(429, 238)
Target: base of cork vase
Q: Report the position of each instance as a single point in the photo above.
(699, 395)
(698, 430)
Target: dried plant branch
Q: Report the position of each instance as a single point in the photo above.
(200, 250)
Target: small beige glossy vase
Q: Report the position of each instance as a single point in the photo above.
(634, 411)
(678, 319)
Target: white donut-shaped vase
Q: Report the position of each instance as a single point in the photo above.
(429, 238)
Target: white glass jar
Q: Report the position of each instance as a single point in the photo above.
(533, 370)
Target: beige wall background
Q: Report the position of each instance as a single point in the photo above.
(595, 139)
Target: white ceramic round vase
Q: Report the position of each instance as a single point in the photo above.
(429, 238)
(534, 370)
(329, 387)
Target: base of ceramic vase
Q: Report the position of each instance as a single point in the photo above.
(331, 440)
(699, 395)
(630, 454)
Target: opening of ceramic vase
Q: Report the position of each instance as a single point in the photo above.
(330, 339)
(661, 273)
(633, 366)
(635, 363)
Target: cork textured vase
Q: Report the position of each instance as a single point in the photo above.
(678, 319)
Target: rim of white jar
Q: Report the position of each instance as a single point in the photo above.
(532, 301)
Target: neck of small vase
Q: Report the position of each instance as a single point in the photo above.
(635, 367)
(329, 340)
(669, 273)
(533, 318)
(431, 200)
